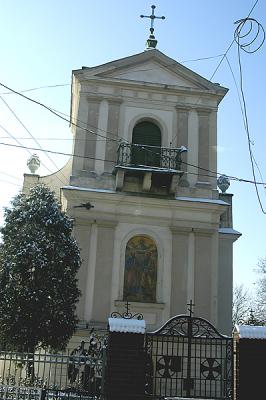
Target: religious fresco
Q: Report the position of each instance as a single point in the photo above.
(140, 278)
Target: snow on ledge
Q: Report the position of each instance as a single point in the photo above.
(126, 325)
(251, 332)
(82, 189)
(202, 200)
(229, 231)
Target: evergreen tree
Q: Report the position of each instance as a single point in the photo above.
(39, 260)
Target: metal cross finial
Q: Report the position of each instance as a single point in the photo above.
(191, 305)
(152, 42)
(127, 307)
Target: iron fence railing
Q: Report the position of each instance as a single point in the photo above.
(189, 358)
(138, 155)
(76, 374)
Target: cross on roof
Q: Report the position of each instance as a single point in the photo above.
(152, 42)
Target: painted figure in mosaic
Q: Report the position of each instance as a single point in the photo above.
(140, 277)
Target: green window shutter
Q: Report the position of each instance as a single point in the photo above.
(148, 134)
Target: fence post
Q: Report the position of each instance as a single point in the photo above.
(125, 367)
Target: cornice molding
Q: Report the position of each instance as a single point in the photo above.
(204, 231)
(98, 99)
(181, 229)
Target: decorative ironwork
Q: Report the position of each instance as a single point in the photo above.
(168, 366)
(168, 159)
(210, 368)
(127, 314)
(77, 374)
(188, 357)
(191, 306)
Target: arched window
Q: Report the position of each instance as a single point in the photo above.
(140, 277)
(147, 134)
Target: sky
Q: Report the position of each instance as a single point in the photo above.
(43, 41)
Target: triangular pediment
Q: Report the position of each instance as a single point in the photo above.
(151, 72)
(152, 67)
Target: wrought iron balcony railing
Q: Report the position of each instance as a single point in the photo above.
(142, 156)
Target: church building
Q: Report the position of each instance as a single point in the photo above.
(142, 188)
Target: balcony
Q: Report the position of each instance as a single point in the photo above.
(157, 167)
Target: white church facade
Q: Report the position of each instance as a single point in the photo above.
(142, 189)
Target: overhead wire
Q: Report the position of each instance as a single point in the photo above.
(211, 174)
(95, 133)
(32, 137)
(243, 116)
(56, 113)
(26, 129)
(231, 44)
(238, 37)
(38, 88)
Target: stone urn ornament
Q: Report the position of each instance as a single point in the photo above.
(33, 163)
(223, 183)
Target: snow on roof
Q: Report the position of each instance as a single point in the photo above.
(202, 200)
(251, 332)
(126, 325)
(82, 189)
(229, 231)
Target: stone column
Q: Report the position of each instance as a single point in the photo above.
(181, 136)
(181, 268)
(206, 273)
(213, 146)
(30, 180)
(88, 307)
(112, 134)
(191, 268)
(91, 137)
(103, 270)
(102, 131)
(80, 137)
(193, 145)
(204, 145)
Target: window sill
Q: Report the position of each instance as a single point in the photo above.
(140, 306)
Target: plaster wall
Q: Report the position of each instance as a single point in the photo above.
(102, 306)
(135, 112)
(82, 234)
(179, 278)
(225, 283)
(203, 276)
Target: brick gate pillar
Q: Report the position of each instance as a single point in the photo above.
(125, 363)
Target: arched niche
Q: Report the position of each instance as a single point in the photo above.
(140, 274)
(148, 134)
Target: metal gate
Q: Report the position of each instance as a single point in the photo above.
(188, 357)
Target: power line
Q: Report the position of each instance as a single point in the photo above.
(203, 58)
(56, 152)
(27, 130)
(231, 44)
(246, 116)
(211, 175)
(56, 113)
(38, 88)
(10, 176)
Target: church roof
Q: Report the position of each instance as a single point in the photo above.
(153, 67)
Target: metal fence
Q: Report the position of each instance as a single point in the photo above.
(149, 156)
(187, 357)
(76, 374)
